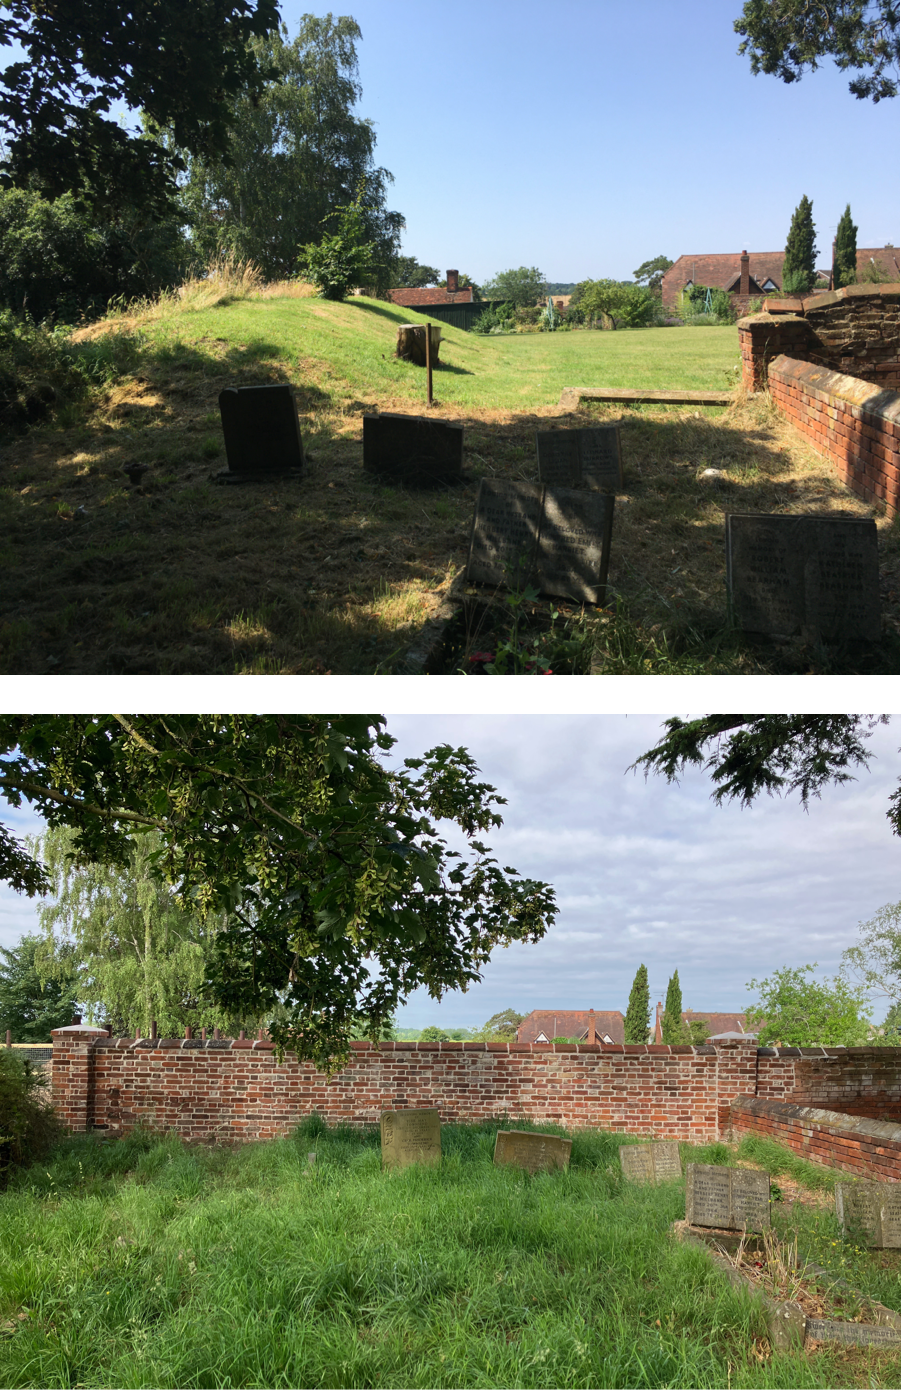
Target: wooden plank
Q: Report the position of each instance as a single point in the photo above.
(573, 394)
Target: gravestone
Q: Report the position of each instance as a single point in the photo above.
(852, 1333)
(651, 1163)
(581, 458)
(262, 433)
(733, 1199)
(875, 1207)
(557, 539)
(410, 1136)
(537, 1153)
(811, 576)
(412, 449)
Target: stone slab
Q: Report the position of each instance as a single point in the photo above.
(875, 1207)
(262, 432)
(651, 1163)
(732, 1198)
(557, 539)
(410, 1136)
(852, 1333)
(589, 458)
(412, 449)
(631, 396)
(811, 576)
(537, 1153)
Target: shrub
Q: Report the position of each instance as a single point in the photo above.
(343, 259)
(495, 319)
(30, 1126)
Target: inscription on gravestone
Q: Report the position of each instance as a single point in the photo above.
(262, 432)
(534, 1152)
(873, 1206)
(851, 1332)
(410, 1136)
(732, 1198)
(572, 458)
(412, 449)
(813, 576)
(651, 1163)
(557, 539)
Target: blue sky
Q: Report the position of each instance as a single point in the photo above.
(644, 871)
(585, 137)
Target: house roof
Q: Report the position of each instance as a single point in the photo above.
(412, 299)
(570, 1023)
(886, 257)
(722, 270)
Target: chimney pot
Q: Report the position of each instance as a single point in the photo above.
(453, 281)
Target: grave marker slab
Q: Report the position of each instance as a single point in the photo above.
(557, 539)
(813, 576)
(410, 1136)
(262, 432)
(589, 458)
(651, 1163)
(412, 449)
(874, 1206)
(851, 1333)
(537, 1153)
(732, 1198)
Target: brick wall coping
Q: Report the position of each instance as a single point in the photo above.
(799, 304)
(821, 383)
(885, 1130)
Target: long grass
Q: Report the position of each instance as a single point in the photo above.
(145, 1263)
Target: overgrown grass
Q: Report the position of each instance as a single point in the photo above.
(145, 1263)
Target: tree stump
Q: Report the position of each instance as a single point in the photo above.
(411, 343)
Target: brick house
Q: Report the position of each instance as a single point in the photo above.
(749, 275)
(541, 1025)
(718, 1022)
(425, 298)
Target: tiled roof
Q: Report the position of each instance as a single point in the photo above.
(570, 1023)
(886, 257)
(722, 270)
(412, 299)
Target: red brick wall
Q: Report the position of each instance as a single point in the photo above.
(852, 1080)
(868, 1148)
(853, 424)
(854, 330)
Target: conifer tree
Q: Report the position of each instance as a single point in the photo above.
(672, 1024)
(845, 258)
(799, 270)
(638, 1014)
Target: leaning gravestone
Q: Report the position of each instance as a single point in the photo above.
(537, 1153)
(262, 433)
(811, 576)
(557, 539)
(874, 1207)
(732, 1199)
(410, 1136)
(652, 1163)
(412, 449)
(581, 458)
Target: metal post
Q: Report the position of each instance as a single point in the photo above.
(428, 360)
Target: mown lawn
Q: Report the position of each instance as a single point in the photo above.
(141, 1262)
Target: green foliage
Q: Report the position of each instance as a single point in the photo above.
(29, 1127)
(651, 273)
(785, 37)
(875, 961)
(407, 273)
(433, 1034)
(891, 1026)
(799, 271)
(180, 64)
(638, 1014)
(338, 893)
(499, 318)
(500, 1027)
(845, 261)
(721, 308)
(522, 287)
(343, 258)
(567, 1040)
(632, 306)
(29, 1006)
(698, 1031)
(798, 1012)
(672, 1025)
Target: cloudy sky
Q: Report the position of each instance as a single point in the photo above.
(644, 871)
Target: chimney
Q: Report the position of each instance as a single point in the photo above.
(658, 1027)
(745, 286)
(591, 1034)
(453, 281)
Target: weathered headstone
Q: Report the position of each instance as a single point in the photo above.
(811, 576)
(589, 458)
(537, 1153)
(651, 1163)
(733, 1199)
(852, 1333)
(874, 1207)
(410, 1136)
(262, 432)
(412, 449)
(556, 539)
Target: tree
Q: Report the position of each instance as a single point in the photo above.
(672, 1024)
(296, 155)
(615, 302)
(408, 274)
(638, 1014)
(651, 273)
(874, 963)
(341, 895)
(501, 1027)
(783, 37)
(799, 270)
(521, 288)
(772, 753)
(798, 1012)
(180, 64)
(342, 259)
(891, 1025)
(433, 1034)
(29, 1006)
(845, 255)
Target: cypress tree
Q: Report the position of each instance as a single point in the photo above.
(845, 260)
(672, 1025)
(799, 270)
(638, 1014)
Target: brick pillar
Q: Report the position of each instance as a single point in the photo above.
(736, 1067)
(745, 274)
(72, 1074)
(453, 281)
(592, 1037)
